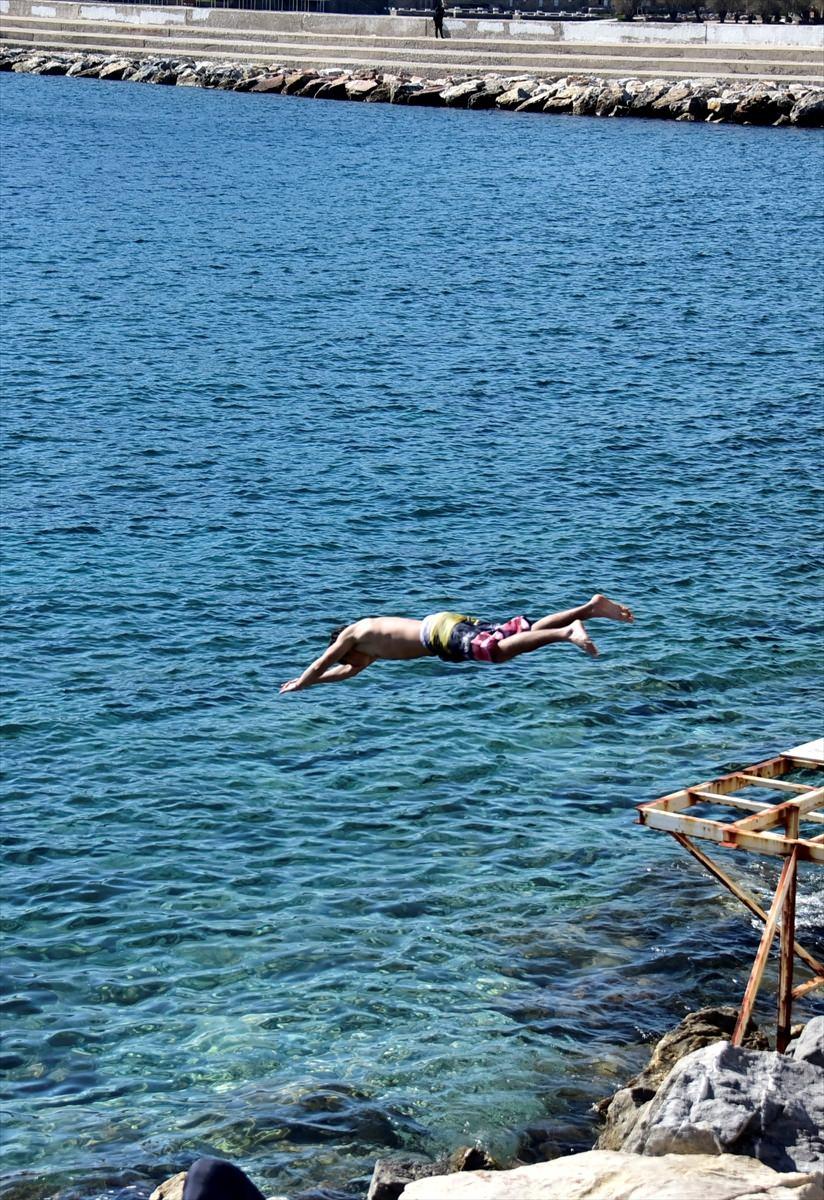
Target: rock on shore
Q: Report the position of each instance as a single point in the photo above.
(611, 1175)
(748, 102)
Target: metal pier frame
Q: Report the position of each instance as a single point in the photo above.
(770, 829)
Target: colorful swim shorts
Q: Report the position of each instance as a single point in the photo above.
(457, 638)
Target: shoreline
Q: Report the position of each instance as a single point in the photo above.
(721, 1121)
(714, 101)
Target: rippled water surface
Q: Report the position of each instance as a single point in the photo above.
(273, 364)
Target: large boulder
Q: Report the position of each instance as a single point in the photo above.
(614, 100)
(359, 89)
(391, 1175)
(296, 80)
(170, 1189)
(608, 1175)
(53, 66)
(268, 83)
(518, 91)
(488, 94)
(333, 89)
(724, 1099)
(536, 102)
(426, 97)
(311, 89)
(457, 96)
(646, 96)
(622, 1111)
(116, 69)
(809, 1045)
(809, 110)
(761, 105)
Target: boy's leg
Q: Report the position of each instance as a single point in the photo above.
(598, 606)
(535, 639)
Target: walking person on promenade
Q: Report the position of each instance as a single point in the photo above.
(453, 638)
(437, 17)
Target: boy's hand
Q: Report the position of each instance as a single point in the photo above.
(293, 685)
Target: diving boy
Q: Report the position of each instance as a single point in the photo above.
(453, 637)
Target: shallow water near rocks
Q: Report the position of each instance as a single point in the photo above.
(271, 365)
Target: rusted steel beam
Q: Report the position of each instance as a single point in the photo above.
(674, 802)
(785, 963)
(803, 988)
(749, 902)
(755, 806)
(778, 814)
(729, 835)
(757, 972)
(778, 785)
(728, 801)
(786, 957)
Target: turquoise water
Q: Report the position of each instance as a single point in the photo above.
(270, 365)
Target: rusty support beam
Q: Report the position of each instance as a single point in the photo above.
(778, 785)
(757, 972)
(748, 902)
(778, 814)
(803, 988)
(753, 806)
(785, 968)
(729, 834)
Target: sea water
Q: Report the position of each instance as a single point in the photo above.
(271, 365)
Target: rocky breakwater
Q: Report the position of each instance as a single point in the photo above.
(705, 1120)
(745, 103)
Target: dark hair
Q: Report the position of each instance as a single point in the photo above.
(335, 634)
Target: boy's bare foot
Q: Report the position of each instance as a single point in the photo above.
(602, 606)
(580, 638)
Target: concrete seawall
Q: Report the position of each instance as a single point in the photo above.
(544, 49)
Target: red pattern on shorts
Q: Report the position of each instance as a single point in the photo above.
(484, 642)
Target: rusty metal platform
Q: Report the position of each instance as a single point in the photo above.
(791, 827)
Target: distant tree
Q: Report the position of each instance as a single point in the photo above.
(808, 12)
(624, 10)
(767, 10)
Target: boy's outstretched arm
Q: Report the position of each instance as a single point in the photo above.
(333, 654)
(333, 675)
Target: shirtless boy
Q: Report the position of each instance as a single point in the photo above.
(453, 638)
